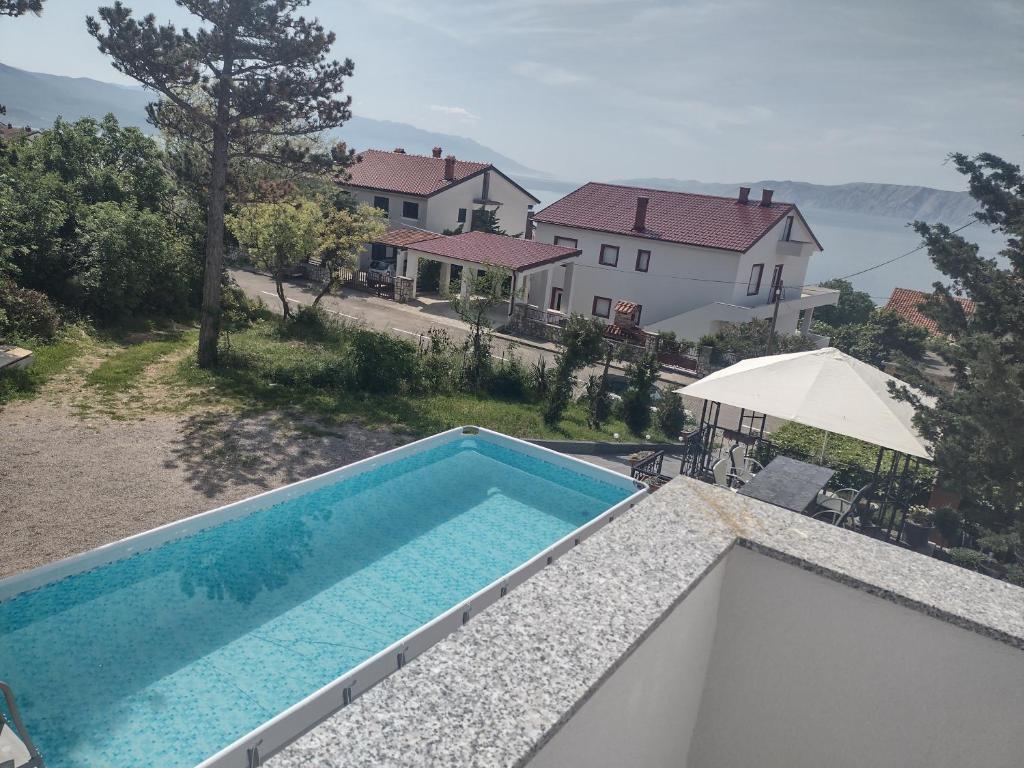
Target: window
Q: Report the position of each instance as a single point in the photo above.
(556, 299)
(609, 256)
(566, 242)
(410, 210)
(787, 230)
(602, 307)
(643, 261)
(378, 252)
(776, 281)
(754, 284)
(462, 215)
(383, 203)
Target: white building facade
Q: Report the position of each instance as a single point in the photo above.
(737, 250)
(435, 193)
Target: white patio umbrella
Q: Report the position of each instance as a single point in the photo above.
(823, 388)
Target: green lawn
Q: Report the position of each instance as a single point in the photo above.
(48, 361)
(122, 370)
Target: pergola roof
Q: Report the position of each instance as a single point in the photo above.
(402, 237)
(823, 388)
(512, 253)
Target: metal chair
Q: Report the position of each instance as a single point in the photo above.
(845, 508)
(743, 467)
(722, 473)
(16, 748)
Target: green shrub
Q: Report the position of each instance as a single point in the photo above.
(671, 414)
(637, 400)
(966, 558)
(312, 324)
(382, 363)
(853, 460)
(238, 311)
(509, 381)
(26, 314)
(947, 521)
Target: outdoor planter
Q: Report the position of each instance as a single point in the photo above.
(917, 535)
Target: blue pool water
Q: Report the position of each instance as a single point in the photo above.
(170, 655)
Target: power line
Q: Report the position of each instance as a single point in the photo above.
(902, 255)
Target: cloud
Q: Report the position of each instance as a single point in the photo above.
(460, 113)
(545, 74)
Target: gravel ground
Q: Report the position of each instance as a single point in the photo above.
(69, 484)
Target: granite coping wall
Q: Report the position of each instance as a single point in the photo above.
(493, 693)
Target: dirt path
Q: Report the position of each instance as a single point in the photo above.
(72, 479)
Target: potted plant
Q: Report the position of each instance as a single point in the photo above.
(918, 526)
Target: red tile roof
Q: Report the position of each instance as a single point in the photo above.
(625, 307)
(677, 217)
(495, 250)
(417, 175)
(405, 236)
(905, 302)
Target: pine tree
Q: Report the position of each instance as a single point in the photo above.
(977, 429)
(254, 78)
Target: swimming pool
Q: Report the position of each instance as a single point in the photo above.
(242, 627)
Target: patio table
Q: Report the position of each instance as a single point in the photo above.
(788, 483)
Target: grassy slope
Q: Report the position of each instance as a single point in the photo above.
(117, 387)
(264, 384)
(49, 360)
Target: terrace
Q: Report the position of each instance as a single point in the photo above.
(707, 629)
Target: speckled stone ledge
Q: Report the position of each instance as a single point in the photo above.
(495, 692)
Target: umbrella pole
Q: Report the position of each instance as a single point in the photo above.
(821, 459)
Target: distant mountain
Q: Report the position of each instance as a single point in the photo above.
(36, 100)
(893, 200)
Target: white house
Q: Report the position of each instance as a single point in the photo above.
(690, 263)
(434, 193)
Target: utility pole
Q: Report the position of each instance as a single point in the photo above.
(776, 297)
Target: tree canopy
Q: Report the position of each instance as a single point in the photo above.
(93, 219)
(277, 236)
(254, 78)
(854, 306)
(977, 429)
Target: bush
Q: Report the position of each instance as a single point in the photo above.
(238, 311)
(966, 558)
(853, 460)
(598, 402)
(312, 324)
(637, 400)
(26, 314)
(509, 381)
(947, 521)
(383, 364)
(671, 414)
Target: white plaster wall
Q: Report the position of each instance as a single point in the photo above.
(395, 218)
(808, 672)
(644, 714)
(660, 290)
(514, 205)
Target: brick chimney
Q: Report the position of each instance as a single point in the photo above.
(744, 195)
(449, 168)
(640, 221)
(436, 151)
(766, 197)
(399, 151)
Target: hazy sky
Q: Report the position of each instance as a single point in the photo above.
(817, 90)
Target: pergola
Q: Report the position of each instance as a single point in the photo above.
(823, 388)
(529, 261)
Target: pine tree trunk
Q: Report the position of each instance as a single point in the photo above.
(209, 322)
